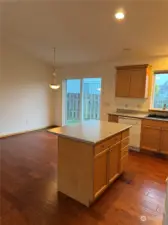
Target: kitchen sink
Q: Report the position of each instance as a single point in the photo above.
(158, 116)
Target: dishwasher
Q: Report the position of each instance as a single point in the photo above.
(135, 131)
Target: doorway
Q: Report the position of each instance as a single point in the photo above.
(82, 100)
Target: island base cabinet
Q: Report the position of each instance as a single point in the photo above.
(106, 168)
(75, 166)
(100, 173)
(85, 170)
(123, 163)
(114, 159)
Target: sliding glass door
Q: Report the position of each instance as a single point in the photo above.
(82, 100)
(91, 98)
(73, 101)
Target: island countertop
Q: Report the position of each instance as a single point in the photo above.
(92, 131)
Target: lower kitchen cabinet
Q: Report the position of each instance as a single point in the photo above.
(164, 141)
(110, 162)
(100, 172)
(106, 168)
(123, 153)
(154, 136)
(123, 163)
(150, 138)
(114, 159)
(88, 165)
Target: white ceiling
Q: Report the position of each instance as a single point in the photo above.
(86, 31)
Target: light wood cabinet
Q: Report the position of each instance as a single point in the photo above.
(154, 135)
(100, 173)
(164, 141)
(122, 83)
(138, 81)
(124, 151)
(86, 169)
(133, 81)
(110, 161)
(123, 163)
(114, 159)
(150, 138)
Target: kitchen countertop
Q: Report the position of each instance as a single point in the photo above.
(133, 115)
(138, 116)
(90, 131)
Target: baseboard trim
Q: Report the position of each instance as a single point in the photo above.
(26, 131)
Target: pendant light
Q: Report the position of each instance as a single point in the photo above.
(54, 85)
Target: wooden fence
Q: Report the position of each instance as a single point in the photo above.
(90, 106)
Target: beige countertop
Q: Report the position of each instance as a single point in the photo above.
(92, 131)
(133, 115)
(138, 116)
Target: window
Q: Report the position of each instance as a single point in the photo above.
(160, 90)
(82, 100)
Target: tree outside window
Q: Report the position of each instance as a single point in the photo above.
(160, 95)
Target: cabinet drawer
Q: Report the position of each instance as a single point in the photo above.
(115, 139)
(107, 143)
(152, 123)
(125, 134)
(124, 151)
(101, 147)
(125, 142)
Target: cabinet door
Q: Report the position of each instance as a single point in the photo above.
(150, 138)
(122, 83)
(114, 159)
(164, 141)
(100, 172)
(138, 83)
(123, 163)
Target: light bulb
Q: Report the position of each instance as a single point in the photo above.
(119, 15)
(54, 86)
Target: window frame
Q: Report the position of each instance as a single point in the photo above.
(153, 90)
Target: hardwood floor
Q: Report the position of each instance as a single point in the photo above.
(29, 188)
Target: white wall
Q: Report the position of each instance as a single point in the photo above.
(107, 72)
(25, 97)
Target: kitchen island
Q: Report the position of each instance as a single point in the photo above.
(91, 155)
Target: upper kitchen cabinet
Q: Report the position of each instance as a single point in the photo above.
(133, 81)
(122, 83)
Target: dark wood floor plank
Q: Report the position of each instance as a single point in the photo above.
(29, 188)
